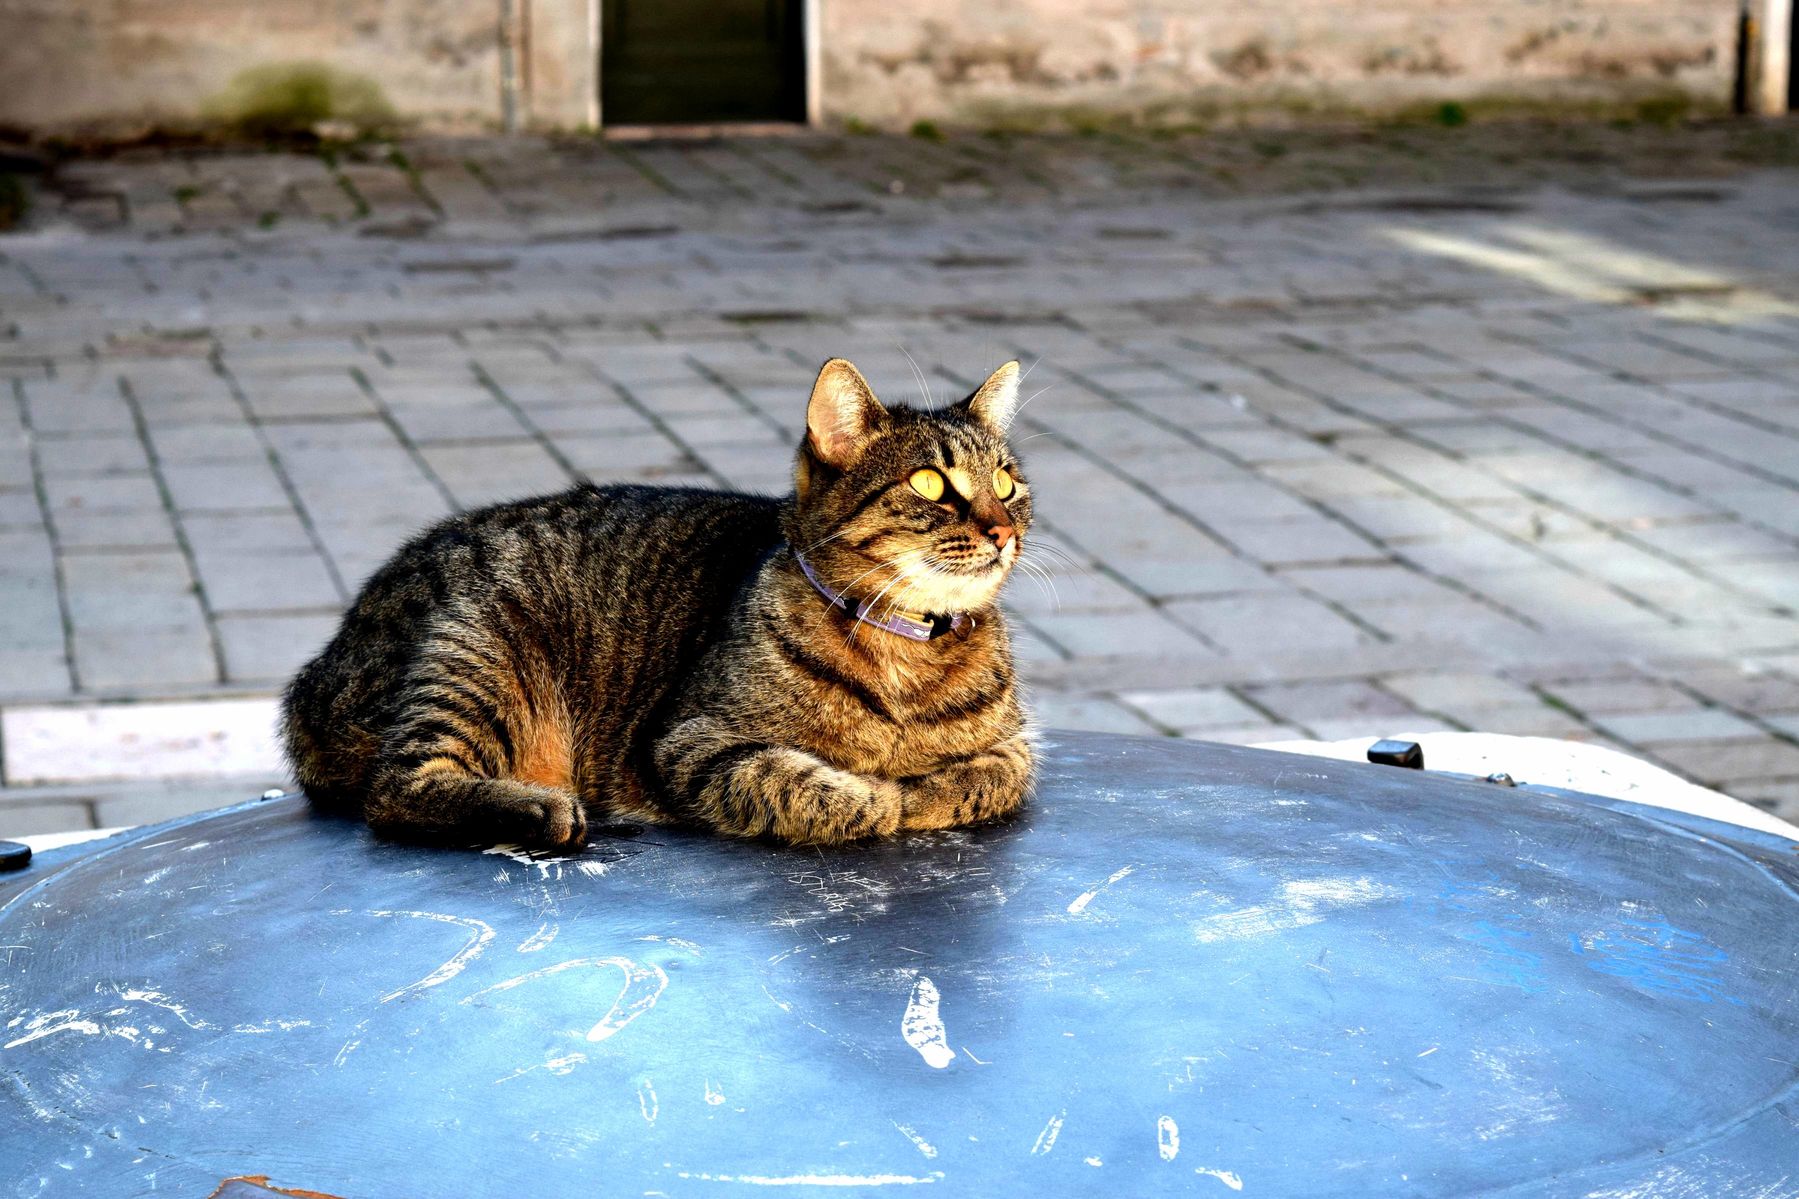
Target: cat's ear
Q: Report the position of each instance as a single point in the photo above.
(843, 414)
(996, 400)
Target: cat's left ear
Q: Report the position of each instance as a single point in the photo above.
(995, 401)
(843, 414)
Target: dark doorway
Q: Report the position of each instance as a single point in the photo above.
(688, 62)
(1793, 63)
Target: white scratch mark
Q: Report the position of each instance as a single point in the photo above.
(68, 1020)
(156, 876)
(786, 1007)
(483, 933)
(546, 863)
(1046, 1140)
(643, 986)
(911, 1134)
(1093, 1161)
(1430, 1051)
(714, 1096)
(677, 942)
(646, 1101)
(194, 846)
(1086, 897)
(158, 999)
(591, 868)
(922, 1025)
(818, 1180)
(543, 936)
(1225, 1176)
(1168, 1138)
(556, 1065)
(272, 1025)
(349, 1046)
(1251, 922)
(1304, 901)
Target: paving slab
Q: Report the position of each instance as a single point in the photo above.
(1306, 460)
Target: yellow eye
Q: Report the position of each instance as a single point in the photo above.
(1002, 484)
(927, 483)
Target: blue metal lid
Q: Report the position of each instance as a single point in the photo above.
(1189, 969)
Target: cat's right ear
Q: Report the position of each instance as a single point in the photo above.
(843, 414)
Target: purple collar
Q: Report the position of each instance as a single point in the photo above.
(911, 627)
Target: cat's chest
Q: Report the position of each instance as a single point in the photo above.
(901, 730)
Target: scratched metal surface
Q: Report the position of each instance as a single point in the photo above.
(1191, 969)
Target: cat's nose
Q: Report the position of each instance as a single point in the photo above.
(1002, 534)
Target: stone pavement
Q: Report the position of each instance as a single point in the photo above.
(1507, 442)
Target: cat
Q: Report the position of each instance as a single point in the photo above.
(818, 668)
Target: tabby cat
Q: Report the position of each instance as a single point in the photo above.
(817, 668)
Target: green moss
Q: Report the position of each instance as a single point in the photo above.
(280, 101)
(1280, 106)
(927, 131)
(1660, 105)
(1666, 109)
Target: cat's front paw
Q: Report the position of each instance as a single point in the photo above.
(887, 807)
(560, 820)
(848, 807)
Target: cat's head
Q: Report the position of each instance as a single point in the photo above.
(924, 508)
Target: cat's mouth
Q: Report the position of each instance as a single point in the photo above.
(960, 586)
(982, 570)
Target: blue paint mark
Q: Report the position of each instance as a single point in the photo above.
(1658, 958)
(1506, 963)
(1503, 960)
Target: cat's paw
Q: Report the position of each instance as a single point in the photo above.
(558, 819)
(868, 807)
(847, 807)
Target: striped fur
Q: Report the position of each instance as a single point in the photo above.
(655, 654)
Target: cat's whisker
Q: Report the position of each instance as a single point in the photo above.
(822, 540)
(901, 568)
(1027, 401)
(1051, 569)
(924, 385)
(871, 570)
(1052, 565)
(1043, 580)
(900, 594)
(929, 566)
(1040, 542)
(1035, 363)
(1047, 577)
(856, 625)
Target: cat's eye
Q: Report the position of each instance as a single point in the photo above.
(927, 483)
(1002, 484)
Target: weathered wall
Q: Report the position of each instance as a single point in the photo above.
(68, 63)
(889, 63)
(125, 63)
